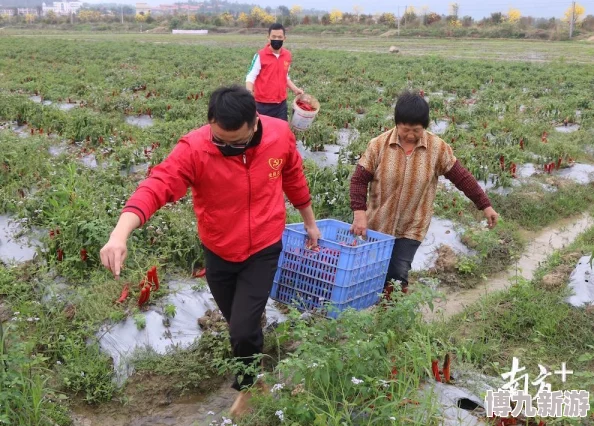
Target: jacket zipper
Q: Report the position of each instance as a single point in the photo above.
(247, 170)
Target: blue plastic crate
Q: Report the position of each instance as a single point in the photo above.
(340, 273)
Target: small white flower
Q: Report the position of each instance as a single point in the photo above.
(29, 319)
(393, 419)
(277, 387)
(356, 381)
(36, 318)
(314, 365)
(280, 415)
(59, 362)
(82, 374)
(226, 421)
(384, 383)
(259, 376)
(16, 313)
(14, 319)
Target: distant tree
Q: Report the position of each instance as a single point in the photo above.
(388, 19)
(454, 9)
(433, 18)
(325, 19)
(496, 18)
(577, 14)
(514, 15)
(306, 20)
(588, 23)
(284, 11)
(335, 16)
(467, 21)
(226, 19)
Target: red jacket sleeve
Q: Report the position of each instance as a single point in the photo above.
(168, 182)
(294, 182)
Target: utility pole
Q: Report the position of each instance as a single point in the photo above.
(405, 9)
(398, 21)
(572, 19)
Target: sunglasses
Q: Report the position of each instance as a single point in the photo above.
(238, 145)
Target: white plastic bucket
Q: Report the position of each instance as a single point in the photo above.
(301, 119)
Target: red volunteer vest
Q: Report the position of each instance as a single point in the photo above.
(270, 86)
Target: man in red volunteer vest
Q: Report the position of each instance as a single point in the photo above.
(268, 77)
(239, 166)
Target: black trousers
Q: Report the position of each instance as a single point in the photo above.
(241, 290)
(274, 110)
(403, 255)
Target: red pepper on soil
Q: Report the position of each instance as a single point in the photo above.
(83, 255)
(522, 144)
(435, 369)
(446, 368)
(124, 295)
(200, 273)
(60, 255)
(559, 162)
(502, 162)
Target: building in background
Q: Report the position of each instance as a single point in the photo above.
(143, 9)
(62, 8)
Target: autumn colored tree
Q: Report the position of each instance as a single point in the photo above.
(387, 19)
(577, 14)
(514, 15)
(335, 16)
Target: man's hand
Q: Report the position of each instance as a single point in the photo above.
(314, 234)
(113, 254)
(359, 226)
(297, 91)
(491, 215)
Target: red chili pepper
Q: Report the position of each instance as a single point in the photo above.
(394, 371)
(124, 295)
(52, 233)
(60, 255)
(502, 162)
(305, 106)
(513, 170)
(153, 278)
(200, 273)
(446, 368)
(559, 162)
(435, 368)
(83, 255)
(145, 294)
(522, 144)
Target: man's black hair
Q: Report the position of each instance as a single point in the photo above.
(411, 108)
(276, 26)
(231, 107)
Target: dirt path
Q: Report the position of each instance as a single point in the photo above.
(196, 410)
(541, 246)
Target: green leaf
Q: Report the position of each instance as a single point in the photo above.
(586, 357)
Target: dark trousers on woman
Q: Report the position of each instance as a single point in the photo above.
(403, 255)
(241, 290)
(274, 110)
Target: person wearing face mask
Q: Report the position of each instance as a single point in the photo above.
(238, 166)
(403, 166)
(268, 77)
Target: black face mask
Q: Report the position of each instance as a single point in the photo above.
(276, 44)
(229, 151)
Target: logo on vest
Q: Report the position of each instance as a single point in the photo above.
(275, 164)
(287, 64)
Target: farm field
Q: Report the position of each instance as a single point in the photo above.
(84, 116)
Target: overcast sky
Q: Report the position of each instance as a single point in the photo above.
(475, 8)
